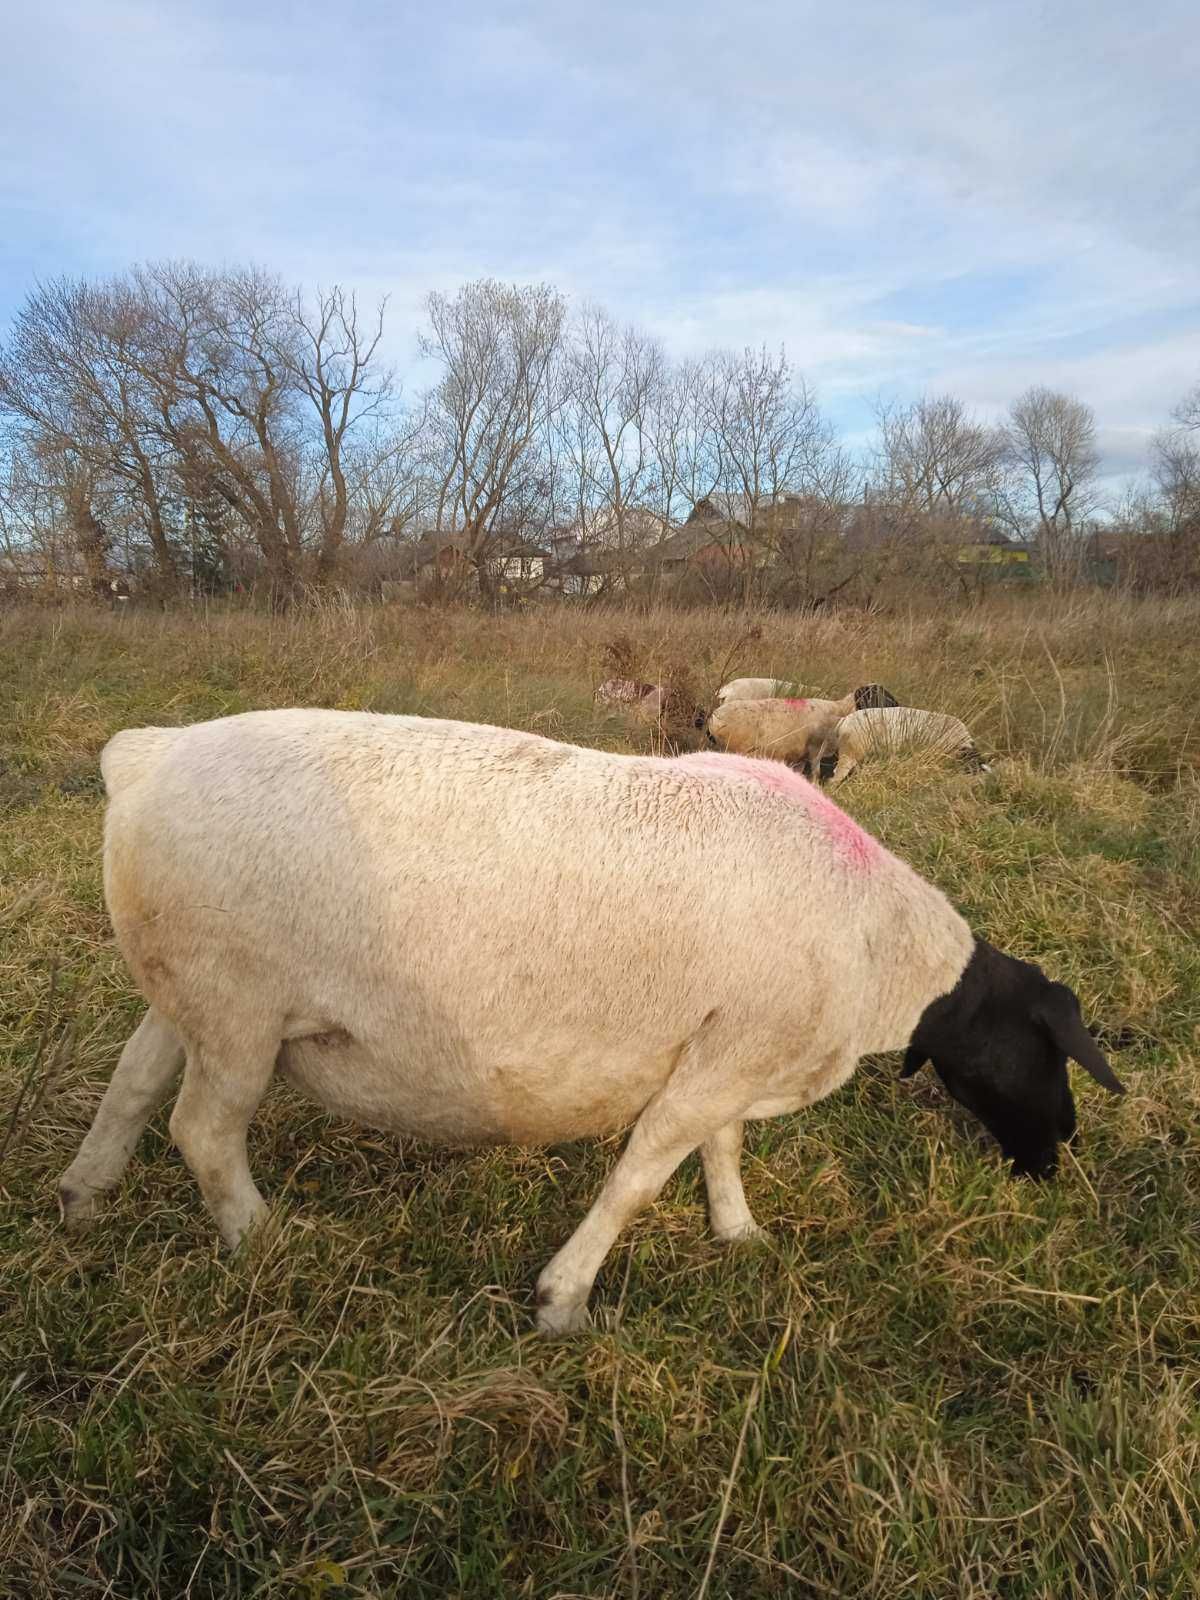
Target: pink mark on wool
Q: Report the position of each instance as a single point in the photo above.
(855, 846)
(798, 705)
(773, 775)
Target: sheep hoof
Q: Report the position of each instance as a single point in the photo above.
(76, 1207)
(567, 1317)
(743, 1233)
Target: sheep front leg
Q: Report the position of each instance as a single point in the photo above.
(846, 765)
(728, 1213)
(670, 1128)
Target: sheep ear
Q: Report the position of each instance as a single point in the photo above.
(914, 1060)
(1059, 1015)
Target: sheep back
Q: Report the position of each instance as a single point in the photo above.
(512, 913)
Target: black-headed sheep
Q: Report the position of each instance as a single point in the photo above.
(792, 729)
(894, 730)
(475, 935)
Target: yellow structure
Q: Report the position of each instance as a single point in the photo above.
(994, 552)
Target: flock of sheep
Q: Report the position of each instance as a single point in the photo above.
(770, 717)
(474, 934)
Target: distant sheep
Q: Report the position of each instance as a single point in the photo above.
(645, 701)
(894, 729)
(755, 689)
(474, 935)
(795, 730)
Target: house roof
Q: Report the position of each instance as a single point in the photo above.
(511, 544)
(992, 536)
(718, 507)
(432, 545)
(590, 564)
(684, 542)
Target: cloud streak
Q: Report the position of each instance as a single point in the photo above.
(908, 198)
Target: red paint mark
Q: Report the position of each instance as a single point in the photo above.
(773, 775)
(797, 705)
(855, 847)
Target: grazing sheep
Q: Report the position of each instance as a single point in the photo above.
(475, 935)
(755, 689)
(892, 729)
(644, 701)
(794, 730)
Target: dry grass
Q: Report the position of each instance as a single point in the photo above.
(933, 1382)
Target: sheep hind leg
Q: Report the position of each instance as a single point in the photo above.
(728, 1214)
(223, 1083)
(687, 1112)
(149, 1067)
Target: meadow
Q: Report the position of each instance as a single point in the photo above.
(931, 1381)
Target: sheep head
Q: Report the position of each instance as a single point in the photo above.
(999, 1041)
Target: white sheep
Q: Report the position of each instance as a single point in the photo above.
(793, 729)
(755, 689)
(891, 730)
(474, 935)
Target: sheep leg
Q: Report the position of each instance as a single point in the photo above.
(846, 765)
(149, 1066)
(728, 1213)
(674, 1124)
(814, 754)
(223, 1084)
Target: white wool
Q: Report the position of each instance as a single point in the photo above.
(755, 689)
(793, 729)
(890, 730)
(472, 934)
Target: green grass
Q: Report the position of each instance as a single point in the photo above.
(933, 1381)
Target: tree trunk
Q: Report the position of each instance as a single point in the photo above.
(92, 540)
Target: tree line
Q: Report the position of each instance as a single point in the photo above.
(193, 425)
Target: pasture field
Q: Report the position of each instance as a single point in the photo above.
(932, 1381)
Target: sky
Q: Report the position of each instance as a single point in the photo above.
(910, 198)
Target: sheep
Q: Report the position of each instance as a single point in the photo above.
(668, 708)
(897, 728)
(644, 701)
(791, 729)
(755, 689)
(476, 935)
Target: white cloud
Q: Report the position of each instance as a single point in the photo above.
(909, 197)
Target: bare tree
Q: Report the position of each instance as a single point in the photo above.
(280, 407)
(813, 559)
(934, 457)
(1187, 412)
(1176, 476)
(610, 374)
(498, 347)
(221, 363)
(680, 425)
(1051, 453)
(70, 373)
(769, 439)
(333, 360)
(33, 506)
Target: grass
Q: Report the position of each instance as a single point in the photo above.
(932, 1381)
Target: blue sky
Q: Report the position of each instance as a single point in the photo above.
(912, 197)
